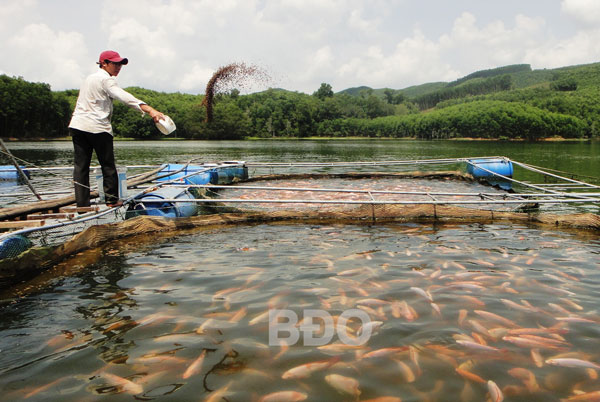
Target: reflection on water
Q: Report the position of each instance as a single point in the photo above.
(454, 312)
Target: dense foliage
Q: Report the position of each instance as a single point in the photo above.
(510, 102)
(476, 86)
(31, 109)
(515, 68)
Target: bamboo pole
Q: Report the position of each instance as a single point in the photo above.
(14, 161)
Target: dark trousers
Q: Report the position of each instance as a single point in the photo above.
(84, 144)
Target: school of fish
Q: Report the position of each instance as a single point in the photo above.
(457, 312)
(364, 185)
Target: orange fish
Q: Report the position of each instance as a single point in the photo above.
(196, 366)
(556, 342)
(495, 392)
(345, 385)
(537, 357)
(126, 385)
(588, 396)
(262, 317)
(467, 375)
(44, 387)
(479, 338)
(422, 292)
(529, 343)
(373, 302)
(533, 331)
(241, 313)
(572, 362)
(472, 300)
(406, 371)
(517, 306)
(462, 314)
(477, 346)
(496, 317)
(284, 396)
(407, 311)
(414, 357)
(385, 352)
(338, 347)
(527, 377)
(305, 370)
(479, 328)
(219, 394)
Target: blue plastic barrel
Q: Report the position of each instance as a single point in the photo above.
(10, 173)
(499, 166)
(155, 205)
(200, 178)
(13, 246)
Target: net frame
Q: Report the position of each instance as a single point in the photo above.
(109, 226)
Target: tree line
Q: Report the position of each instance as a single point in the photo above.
(477, 86)
(32, 110)
(493, 72)
(29, 110)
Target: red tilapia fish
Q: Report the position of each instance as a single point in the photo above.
(484, 316)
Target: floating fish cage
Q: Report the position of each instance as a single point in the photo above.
(181, 196)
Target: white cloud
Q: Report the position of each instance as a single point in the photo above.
(177, 44)
(195, 79)
(467, 47)
(356, 21)
(584, 11)
(49, 54)
(574, 50)
(14, 12)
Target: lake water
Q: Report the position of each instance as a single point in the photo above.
(451, 311)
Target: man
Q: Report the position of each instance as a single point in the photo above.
(91, 128)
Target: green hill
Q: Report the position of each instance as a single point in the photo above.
(522, 76)
(355, 91)
(510, 102)
(423, 89)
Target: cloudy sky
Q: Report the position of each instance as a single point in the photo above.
(176, 45)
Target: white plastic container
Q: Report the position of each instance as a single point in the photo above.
(122, 177)
(166, 125)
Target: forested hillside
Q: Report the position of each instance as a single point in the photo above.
(511, 102)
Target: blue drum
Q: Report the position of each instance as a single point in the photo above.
(155, 205)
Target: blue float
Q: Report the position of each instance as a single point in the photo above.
(499, 166)
(154, 203)
(494, 167)
(10, 173)
(13, 246)
(183, 170)
(214, 173)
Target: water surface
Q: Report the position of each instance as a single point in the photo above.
(128, 321)
(145, 309)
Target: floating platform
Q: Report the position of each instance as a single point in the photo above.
(178, 191)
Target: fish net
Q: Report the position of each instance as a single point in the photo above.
(353, 198)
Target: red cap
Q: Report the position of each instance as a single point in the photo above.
(113, 56)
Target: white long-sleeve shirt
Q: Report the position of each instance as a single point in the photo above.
(94, 106)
